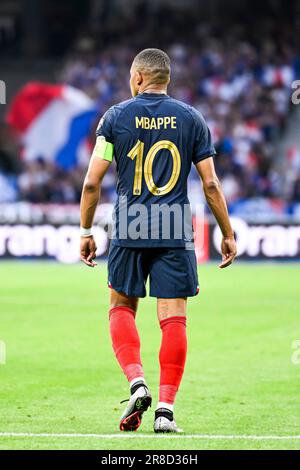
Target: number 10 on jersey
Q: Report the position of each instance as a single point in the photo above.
(137, 153)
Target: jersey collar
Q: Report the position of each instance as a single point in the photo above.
(152, 95)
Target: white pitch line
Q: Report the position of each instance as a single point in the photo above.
(150, 436)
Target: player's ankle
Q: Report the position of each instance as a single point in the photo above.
(135, 384)
(165, 405)
(165, 413)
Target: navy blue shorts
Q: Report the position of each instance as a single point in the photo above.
(172, 271)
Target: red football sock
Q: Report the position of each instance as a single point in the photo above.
(126, 341)
(172, 357)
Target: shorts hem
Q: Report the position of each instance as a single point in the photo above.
(175, 296)
(126, 292)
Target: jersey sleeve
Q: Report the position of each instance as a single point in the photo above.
(106, 125)
(203, 146)
(104, 148)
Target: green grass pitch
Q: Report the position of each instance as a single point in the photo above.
(61, 376)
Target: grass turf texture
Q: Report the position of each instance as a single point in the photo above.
(61, 375)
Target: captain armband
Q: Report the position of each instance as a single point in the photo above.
(103, 149)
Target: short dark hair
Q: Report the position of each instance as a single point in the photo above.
(154, 62)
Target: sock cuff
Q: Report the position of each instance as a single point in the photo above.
(174, 319)
(121, 310)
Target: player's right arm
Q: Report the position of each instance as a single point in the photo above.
(216, 201)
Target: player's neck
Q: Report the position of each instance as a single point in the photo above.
(154, 89)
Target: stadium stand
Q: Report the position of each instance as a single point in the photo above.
(243, 90)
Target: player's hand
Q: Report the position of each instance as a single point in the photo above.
(229, 251)
(88, 250)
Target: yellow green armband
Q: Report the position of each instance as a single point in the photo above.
(103, 149)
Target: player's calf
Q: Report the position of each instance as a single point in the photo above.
(126, 345)
(172, 359)
(126, 341)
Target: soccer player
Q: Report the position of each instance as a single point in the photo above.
(154, 140)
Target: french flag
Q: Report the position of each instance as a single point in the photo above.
(53, 121)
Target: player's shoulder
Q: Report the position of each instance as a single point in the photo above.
(189, 110)
(112, 114)
(118, 108)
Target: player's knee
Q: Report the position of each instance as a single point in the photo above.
(168, 308)
(118, 299)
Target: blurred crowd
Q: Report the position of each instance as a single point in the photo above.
(242, 89)
(244, 93)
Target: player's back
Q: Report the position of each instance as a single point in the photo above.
(155, 139)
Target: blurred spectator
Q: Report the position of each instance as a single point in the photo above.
(296, 190)
(9, 166)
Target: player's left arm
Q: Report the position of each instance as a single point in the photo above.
(217, 203)
(202, 158)
(89, 200)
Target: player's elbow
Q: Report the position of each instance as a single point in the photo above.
(212, 186)
(91, 185)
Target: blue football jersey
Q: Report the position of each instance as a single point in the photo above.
(155, 140)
